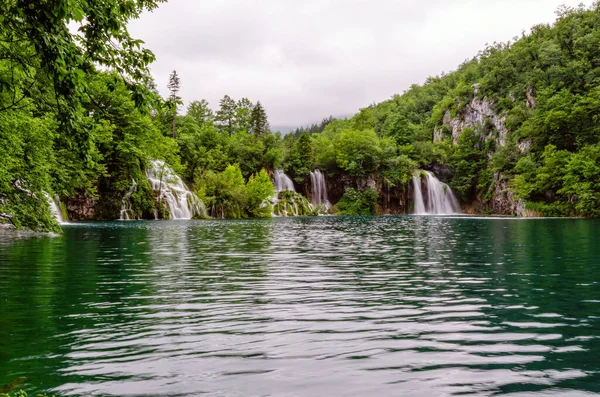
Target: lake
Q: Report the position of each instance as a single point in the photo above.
(327, 306)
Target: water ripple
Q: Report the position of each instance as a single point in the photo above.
(327, 306)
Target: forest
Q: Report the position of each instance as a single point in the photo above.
(81, 119)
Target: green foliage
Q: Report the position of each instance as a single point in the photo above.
(467, 160)
(48, 83)
(24, 170)
(554, 209)
(174, 99)
(314, 128)
(68, 129)
(357, 203)
(259, 189)
(226, 115)
(244, 111)
(7, 390)
(227, 195)
(300, 160)
(259, 125)
(358, 152)
(21, 393)
(582, 181)
(200, 112)
(224, 192)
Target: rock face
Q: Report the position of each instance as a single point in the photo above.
(438, 132)
(524, 145)
(476, 114)
(503, 201)
(441, 171)
(80, 207)
(337, 185)
(392, 200)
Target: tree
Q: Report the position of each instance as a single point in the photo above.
(225, 192)
(260, 123)
(357, 203)
(243, 115)
(174, 98)
(200, 112)
(259, 188)
(37, 35)
(225, 117)
(357, 152)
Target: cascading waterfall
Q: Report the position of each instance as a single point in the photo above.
(282, 182)
(182, 203)
(438, 198)
(126, 210)
(288, 205)
(319, 189)
(54, 205)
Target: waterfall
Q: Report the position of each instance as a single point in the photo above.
(182, 203)
(282, 182)
(318, 189)
(438, 198)
(54, 205)
(126, 211)
(418, 195)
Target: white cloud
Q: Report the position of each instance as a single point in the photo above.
(305, 60)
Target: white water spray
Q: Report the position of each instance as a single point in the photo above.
(182, 203)
(126, 210)
(438, 199)
(319, 189)
(54, 205)
(282, 182)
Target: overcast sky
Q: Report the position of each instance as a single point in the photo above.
(307, 59)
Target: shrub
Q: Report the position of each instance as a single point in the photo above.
(357, 203)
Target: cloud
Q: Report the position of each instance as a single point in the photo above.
(305, 60)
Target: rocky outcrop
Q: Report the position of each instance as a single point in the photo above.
(524, 145)
(503, 200)
(438, 132)
(80, 207)
(530, 98)
(441, 171)
(476, 114)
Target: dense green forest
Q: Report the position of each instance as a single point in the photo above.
(81, 119)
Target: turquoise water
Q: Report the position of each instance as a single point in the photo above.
(389, 306)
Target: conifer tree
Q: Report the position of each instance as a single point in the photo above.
(174, 98)
(260, 123)
(225, 116)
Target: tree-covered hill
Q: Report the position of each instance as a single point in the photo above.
(521, 118)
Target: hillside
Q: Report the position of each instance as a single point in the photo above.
(519, 121)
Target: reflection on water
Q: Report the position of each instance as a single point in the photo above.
(414, 306)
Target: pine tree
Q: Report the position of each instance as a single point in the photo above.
(225, 116)
(260, 124)
(174, 98)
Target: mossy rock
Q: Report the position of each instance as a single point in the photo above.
(290, 203)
